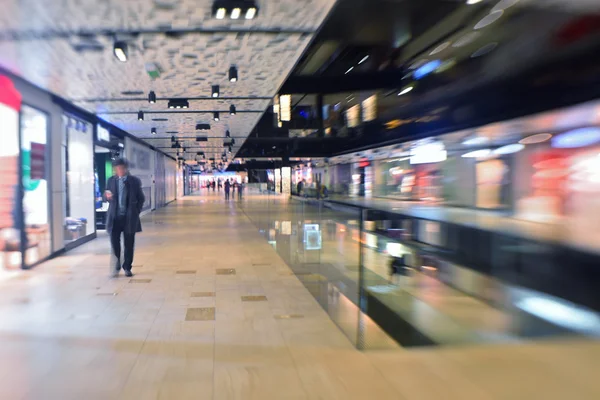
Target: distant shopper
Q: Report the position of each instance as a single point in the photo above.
(227, 189)
(300, 187)
(240, 190)
(126, 199)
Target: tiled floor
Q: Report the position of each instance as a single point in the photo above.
(67, 331)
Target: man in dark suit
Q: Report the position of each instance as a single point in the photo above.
(126, 199)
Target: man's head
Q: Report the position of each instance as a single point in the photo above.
(121, 167)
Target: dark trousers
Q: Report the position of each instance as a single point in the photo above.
(115, 241)
(226, 194)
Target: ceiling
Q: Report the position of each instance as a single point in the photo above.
(38, 41)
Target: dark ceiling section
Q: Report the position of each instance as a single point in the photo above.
(373, 28)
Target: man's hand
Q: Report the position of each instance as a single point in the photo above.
(108, 194)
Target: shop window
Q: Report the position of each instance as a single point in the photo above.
(10, 213)
(34, 152)
(78, 164)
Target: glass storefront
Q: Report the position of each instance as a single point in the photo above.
(37, 241)
(10, 194)
(542, 168)
(78, 167)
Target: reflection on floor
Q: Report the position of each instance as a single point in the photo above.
(427, 311)
(67, 331)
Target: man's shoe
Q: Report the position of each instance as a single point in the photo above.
(115, 274)
(128, 274)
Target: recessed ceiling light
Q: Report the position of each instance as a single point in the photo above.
(466, 39)
(478, 153)
(577, 138)
(406, 90)
(488, 19)
(221, 12)
(251, 13)
(120, 50)
(445, 66)
(235, 13)
(504, 4)
(233, 74)
(439, 48)
(484, 50)
(475, 141)
(509, 149)
(365, 58)
(537, 138)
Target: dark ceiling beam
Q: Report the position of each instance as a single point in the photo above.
(194, 137)
(33, 34)
(106, 100)
(346, 83)
(181, 112)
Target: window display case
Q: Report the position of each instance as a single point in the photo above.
(78, 167)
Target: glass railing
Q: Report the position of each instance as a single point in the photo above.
(388, 278)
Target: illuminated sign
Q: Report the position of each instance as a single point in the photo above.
(102, 134)
(428, 151)
(312, 237)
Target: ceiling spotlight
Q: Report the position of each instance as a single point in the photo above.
(178, 103)
(120, 50)
(233, 74)
(227, 134)
(153, 131)
(140, 115)
(251, 13)
(216, 116)
(221, 12)
(151, 97)
(215, 91)
(232, 110)
(235, 13)
(406, 90)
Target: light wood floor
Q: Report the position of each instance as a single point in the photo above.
(214, 313)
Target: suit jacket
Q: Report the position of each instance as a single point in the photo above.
(134, 203)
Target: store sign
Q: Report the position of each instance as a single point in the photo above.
(369, 108)
(38, 161)
(102, 134)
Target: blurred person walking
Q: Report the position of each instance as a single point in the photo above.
(126, 199)
(227, 188)
(240, 190)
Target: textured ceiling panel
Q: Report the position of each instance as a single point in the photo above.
(139, 14)
(190, 63)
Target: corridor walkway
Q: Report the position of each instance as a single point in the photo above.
(214, 313)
